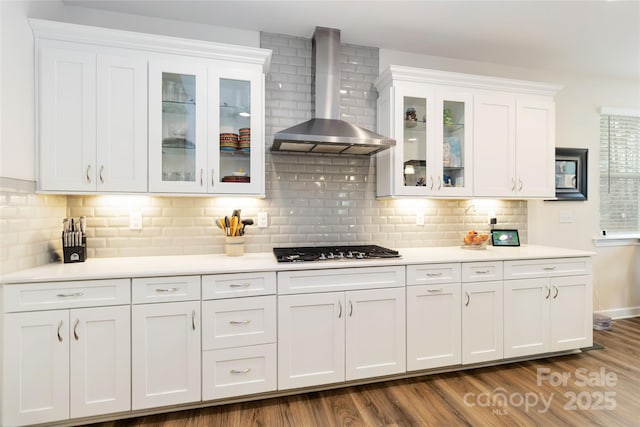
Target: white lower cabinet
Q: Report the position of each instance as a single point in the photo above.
(433, 326)
(238, 340)
(547, 314)
(88, 348)
(66, 363)
(311, 339)
(238, 371)
(375, 339)
(165, 354)
(433, 316)
(526, 312)
(336, 336)
(571, 313)
(482, 321)
(36, 367)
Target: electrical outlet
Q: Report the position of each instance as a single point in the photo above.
(419, 217)
(263, 220)
(135, 220)
(566, 217)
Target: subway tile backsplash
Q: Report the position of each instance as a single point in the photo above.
(311, 199)
(30, 225)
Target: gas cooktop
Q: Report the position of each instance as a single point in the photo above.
(327, 253)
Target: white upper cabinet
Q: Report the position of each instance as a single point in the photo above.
(431, 125)
(514, 138)
(177, 126)
(121, 142)
(460, 135)
(92, 119)
(206, 127)
(236, 107)
(66, 118)
(126, 112)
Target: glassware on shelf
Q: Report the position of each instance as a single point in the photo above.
(178, 128)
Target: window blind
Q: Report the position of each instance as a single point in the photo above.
(619, 173)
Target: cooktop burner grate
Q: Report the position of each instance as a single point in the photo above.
(327, 253)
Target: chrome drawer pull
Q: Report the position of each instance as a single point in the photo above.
(193, 320)
(239, 322)
(468, 299)
(350, 308)
(483, 271)
(339, 309)
(549, 268)
(434, 274)
(76, 294)
(433, 291)
(166, 289)
(556, 294)
(548, 292)
(244, 371)
(243, 285)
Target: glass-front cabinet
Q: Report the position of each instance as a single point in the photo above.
(235, 132)
(206, 128)
(453, 142)
(177, 127)
(432, 156)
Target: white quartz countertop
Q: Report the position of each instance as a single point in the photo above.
(109, 268)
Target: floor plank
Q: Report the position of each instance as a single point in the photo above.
(469, 398)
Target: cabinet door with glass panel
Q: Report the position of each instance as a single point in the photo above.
(452, 166)
(236, 163)
(177, 126)
(415, 133)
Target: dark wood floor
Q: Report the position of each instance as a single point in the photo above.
(603, 389)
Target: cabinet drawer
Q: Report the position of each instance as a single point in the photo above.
(340, 279)
(481, 271)
(547, 267)
(55, 295)
(433, 274)
(238, 322)
(238, 285)
(164, 289)
(238, 371)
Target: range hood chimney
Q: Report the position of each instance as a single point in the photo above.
(326, 133)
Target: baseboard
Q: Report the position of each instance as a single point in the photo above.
(621, 313)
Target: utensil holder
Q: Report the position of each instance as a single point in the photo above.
(234, 245)
(75, 253)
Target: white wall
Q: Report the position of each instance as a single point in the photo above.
(17, 130)
(616, 271)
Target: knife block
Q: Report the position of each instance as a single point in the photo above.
(75, 253)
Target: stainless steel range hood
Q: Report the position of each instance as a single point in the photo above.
(327, 133)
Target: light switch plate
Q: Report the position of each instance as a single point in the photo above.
(566, 217)
(419, 217)
(135, 220)
(263, 220)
